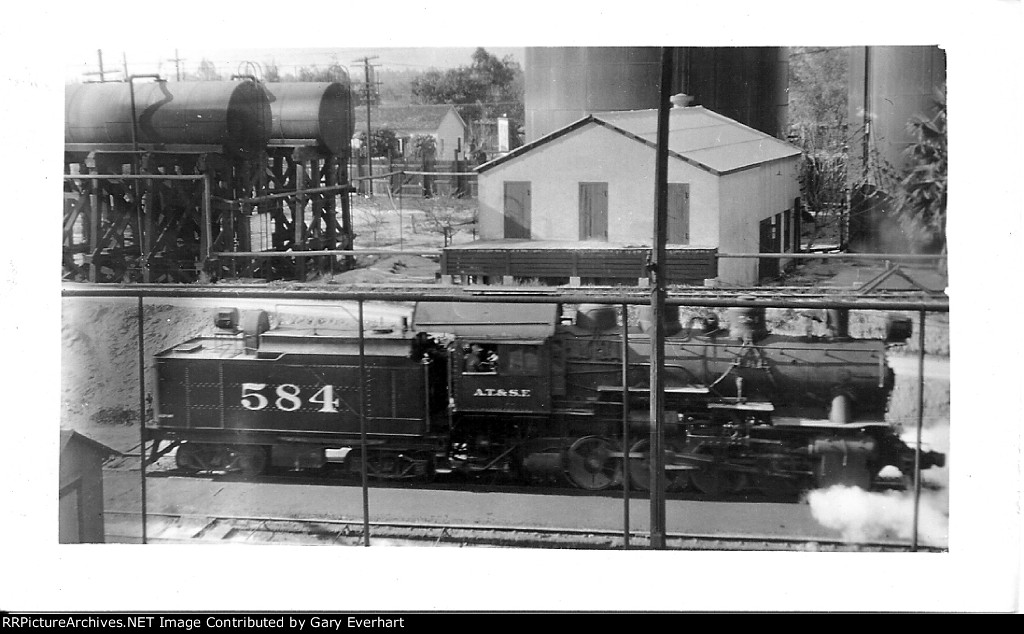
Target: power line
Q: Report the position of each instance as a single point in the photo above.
(369, 134)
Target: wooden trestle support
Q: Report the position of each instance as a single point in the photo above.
(171, 230)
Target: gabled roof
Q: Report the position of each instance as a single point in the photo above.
(68, 435)
(405, 118)
(697, 136)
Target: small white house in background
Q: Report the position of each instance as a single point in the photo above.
(443, 122)
(731, 188)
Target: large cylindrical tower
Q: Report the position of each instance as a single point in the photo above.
(564, 84)
(747, 84)
(889, 86)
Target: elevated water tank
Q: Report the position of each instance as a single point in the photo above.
(233, 114)
(313, 110)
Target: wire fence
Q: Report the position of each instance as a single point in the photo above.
(226, 295)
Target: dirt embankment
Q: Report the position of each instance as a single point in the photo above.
(100, 356)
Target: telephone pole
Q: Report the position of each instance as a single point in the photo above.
(658, 270)
(177, 65)
(101, 73)
(369, 162)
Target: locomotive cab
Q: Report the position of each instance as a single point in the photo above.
(499, 359)
(501, 376)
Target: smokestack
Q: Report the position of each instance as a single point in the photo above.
(681, 100)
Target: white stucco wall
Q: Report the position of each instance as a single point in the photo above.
(748, 197)
(596, 154)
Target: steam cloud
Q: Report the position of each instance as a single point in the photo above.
(863, 516)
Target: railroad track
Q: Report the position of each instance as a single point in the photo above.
(168, 528)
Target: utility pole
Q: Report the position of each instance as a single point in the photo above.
(101, 73)
(369, 161)
(658, 270)
(177, 65)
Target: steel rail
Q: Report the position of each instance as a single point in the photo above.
(595, 535)
(725, 299)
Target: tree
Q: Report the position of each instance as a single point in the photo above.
(818, 93)
(818, 104)
(374, 216)
(334, 72)
(424, 146)
(488, 88)
(207, 71)
(447, 215)
(382, 143)
(270, 72)
(921, 196)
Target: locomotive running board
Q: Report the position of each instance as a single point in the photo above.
(684, 389)
(748, 406)
(786, 421)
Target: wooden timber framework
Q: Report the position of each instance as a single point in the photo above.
(161, 214)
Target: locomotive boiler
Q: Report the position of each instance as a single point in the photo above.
(535, 393)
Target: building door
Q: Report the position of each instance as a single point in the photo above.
(769, 243)
(70, 514)
(594, 211)
(678, 213)
(517, 210)
(787, 241)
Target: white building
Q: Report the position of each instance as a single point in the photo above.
(731, 188)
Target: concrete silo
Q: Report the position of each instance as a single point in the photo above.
(889, 86)
(564, 84)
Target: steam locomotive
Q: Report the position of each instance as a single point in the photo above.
(538, 392)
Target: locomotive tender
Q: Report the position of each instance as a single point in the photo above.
(517, 389)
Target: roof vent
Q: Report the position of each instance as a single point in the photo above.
(681, 100)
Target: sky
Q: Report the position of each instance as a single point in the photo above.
(146, 60)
